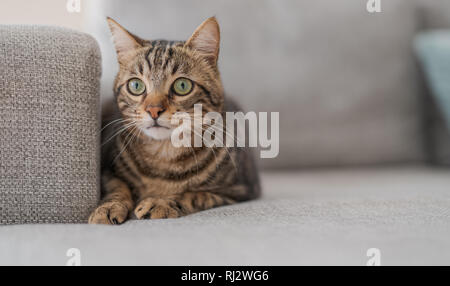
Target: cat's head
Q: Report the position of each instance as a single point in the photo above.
(159, 78)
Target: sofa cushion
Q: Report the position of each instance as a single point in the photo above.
(49, 122)
(307, 217)
(343, 80)
(433, 50)
(434, 14)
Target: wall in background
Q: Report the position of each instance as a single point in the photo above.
(42, 12)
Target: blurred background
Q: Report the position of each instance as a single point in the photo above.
(346, 82)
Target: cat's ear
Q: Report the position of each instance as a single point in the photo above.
(124, 41)
(206, 40)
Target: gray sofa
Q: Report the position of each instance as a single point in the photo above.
(363, 150)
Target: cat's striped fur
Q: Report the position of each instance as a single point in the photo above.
(150, 178)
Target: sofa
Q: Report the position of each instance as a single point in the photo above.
(364, 152)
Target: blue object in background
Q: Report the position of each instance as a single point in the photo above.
(433, 50)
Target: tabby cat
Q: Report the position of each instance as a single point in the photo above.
(143, 174)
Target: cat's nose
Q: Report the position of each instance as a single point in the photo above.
(155, 110)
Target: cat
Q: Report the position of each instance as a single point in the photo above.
(144, 176)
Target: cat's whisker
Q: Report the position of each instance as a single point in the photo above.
(122, 129)
(132, 132)
(117, 121)
(212, 149)
(226, 149)
(221, 130)
(139, 134)
(226, 133)
(195, 157)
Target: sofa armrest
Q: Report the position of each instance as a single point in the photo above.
(49, 125)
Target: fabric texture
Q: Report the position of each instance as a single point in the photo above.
(343, 80)
(304, 218)
(49, 125)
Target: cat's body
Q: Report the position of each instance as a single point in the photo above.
(143, 173)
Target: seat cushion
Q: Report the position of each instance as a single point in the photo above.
(313, 217)
(433, 50)
(49, 125)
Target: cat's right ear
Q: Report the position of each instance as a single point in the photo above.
(124, 41)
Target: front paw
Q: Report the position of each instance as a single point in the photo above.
(109, 213)
(155, 208)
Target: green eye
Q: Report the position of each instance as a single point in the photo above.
(182, 86)
(136, 86)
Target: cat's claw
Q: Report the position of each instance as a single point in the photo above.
(109, 213)
(155, 208)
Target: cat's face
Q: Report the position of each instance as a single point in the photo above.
(160, 78)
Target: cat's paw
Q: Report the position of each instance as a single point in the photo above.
(155, 208)
(109, 213)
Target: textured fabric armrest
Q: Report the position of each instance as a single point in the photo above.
(49, 125)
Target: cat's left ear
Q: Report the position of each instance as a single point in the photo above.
(206, 40)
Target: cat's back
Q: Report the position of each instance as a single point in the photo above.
(248, 173)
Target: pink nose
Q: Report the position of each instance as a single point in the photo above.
(155, 111)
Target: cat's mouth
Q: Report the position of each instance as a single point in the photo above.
(158, 131)
(156, 126)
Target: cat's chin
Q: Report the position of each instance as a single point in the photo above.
(158, 133)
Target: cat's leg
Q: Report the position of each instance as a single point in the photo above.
(115, 205)
(186, 203)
